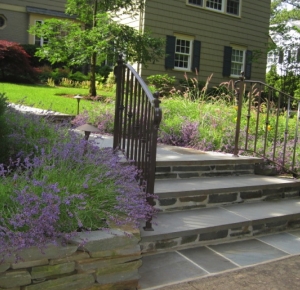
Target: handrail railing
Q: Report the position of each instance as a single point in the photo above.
(274, 115)
(137, 119)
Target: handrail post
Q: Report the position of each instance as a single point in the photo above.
(136, 124)
(118, 76)
(239, 113)
(150, 185)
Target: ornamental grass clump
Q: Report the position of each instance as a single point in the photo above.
(60, 184)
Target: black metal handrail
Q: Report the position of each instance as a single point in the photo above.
(275, 136)
(137, 119)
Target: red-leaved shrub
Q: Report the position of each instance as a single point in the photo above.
(15, 64)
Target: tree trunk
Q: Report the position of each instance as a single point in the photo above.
(93, 91)
(94, 56)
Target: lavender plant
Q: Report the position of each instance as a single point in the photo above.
(103, 119)
(59, 184)
(187, 136)
(4, 130)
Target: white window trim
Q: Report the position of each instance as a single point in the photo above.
(191, 40)
(223, 11)
(244, 49)
(41, 38)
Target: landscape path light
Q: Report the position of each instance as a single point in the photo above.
(88, 129)
(78, 98)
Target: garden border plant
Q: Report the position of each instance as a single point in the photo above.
(56, 184)
(210, 119)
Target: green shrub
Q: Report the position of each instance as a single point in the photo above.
(45, 73)
(59, 73)
(287, 83)
(78, 76)
(34, 61)
(111, 81)
(162, 83)
(104, 71)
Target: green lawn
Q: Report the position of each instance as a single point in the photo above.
(50, 98)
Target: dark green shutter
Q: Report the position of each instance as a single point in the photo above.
(289, 56)
(227, 61)
(170, 52)
(298, 55)
(248, 64)
(196, 56)
(280, 56)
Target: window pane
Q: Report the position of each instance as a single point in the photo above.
(233, 6)
(237, 62)
(182, 53)
(183, 46)
(272, 57)
(236, 69)
(237, 55)
(37, 41)
(196, 2)
(214, 4)
(181, 61)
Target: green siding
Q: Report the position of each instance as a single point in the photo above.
(17, 22)
(58, 5)
(18, 19)
(214, 30)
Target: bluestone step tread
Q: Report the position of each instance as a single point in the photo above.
(172, 155)
(177, 187)
(188, 222)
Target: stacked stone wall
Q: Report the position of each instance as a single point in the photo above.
(92, 261)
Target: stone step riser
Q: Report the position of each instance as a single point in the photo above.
(230, 232)
(190, 171)
(201, 200)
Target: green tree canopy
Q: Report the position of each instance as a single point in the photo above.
(281, 14)
(96, 34)
(284, 30)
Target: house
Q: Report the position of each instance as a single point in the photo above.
(285, 54)
(219, 37)
(203, 37)
(16, 16)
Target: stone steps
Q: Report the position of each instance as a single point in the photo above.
(205, 168)
(207, 198)
(178, 194)
(190, 228)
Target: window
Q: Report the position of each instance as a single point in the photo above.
(273, 59)
(40, 41)
(214, 4)
(236, 60)
(233, 7)
(182, 53)
(225, 6)
(2, 21)
(196, 2)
